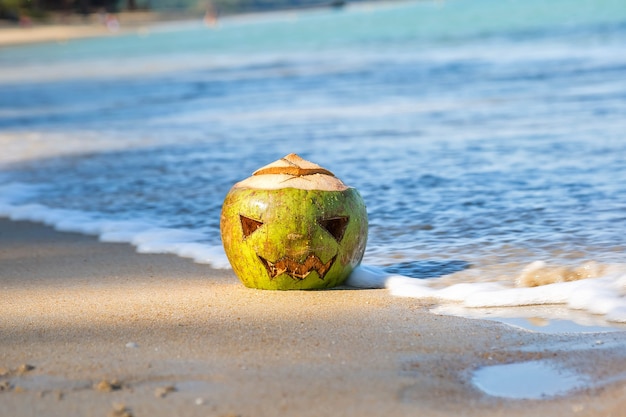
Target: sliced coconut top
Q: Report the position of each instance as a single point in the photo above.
(293, 172)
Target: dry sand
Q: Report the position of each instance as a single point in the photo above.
(62, 29)
(49, 33)
(108, 332)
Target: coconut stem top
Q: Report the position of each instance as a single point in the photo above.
(292, 171)
(293, 164)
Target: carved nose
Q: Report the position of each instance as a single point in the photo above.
(294, 236)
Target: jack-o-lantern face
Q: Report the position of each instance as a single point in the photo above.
(293, 238)
(287, 265)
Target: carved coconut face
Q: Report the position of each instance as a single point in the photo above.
(293, 238)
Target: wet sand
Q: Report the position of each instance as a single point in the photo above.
(89, 328)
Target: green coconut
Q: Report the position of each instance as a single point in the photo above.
(293, 225)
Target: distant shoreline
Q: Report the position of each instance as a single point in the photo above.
(75, 27)
(61, 29)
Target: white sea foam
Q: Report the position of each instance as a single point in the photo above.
(144, 234)
(604, 295)
(543, 318)
(367, 276)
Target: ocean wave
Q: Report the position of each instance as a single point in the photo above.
(146, 235)
(603, 294)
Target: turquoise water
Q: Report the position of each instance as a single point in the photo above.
(370, 26)
(482, 134)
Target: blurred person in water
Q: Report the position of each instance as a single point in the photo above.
(211, 14)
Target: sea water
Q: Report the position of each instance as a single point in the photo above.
(527, 380)
(487, 138)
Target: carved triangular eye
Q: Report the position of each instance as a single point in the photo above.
(336, 226)
(249, 225)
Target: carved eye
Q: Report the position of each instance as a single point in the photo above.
(336, 226)
(249, 225)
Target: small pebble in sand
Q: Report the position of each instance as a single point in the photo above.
(5, 386)
(199, 401)
(120, 410)
(24, 368)
(20, 370)
(108, 386)
(132, 345)
(161, 392)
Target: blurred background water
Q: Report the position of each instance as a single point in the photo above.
(482, 133)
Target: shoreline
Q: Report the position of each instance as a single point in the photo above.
(107, 329)
(11, 37)
(64, 29)
(61, 30)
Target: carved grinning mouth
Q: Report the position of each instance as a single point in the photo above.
(297, 270)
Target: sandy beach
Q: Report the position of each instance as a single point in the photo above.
(49, 33)
(62, 29)
(94, 329)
